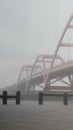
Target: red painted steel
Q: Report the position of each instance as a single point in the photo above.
(46, 68)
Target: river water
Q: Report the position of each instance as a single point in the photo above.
(52, 115)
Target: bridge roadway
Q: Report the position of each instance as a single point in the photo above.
(62, 70)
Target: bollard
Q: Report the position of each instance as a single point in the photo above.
(65, 99)
(40, 98)
(17, 97)
(4, 97)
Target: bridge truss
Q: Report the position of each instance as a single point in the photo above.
(52, 71)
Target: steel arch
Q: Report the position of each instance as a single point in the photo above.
(62, 44)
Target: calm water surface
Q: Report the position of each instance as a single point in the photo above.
(52, 115)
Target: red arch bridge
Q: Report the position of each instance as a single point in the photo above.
(51, 71)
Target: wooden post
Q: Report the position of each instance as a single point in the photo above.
(4, 97)
(65, 99)
(17, 97)
(40, 98)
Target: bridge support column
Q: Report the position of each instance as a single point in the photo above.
(4, 97)
(65, 99)
(18, 98)
(40, 98)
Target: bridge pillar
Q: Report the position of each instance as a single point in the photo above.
(4, 97)
(40, 98)
(18, 98)
(65, 99)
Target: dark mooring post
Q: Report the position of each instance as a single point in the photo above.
(18, 98)
(4, 97)
(40, 98)
(65, 99)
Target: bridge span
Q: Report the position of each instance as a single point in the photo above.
(52, 71)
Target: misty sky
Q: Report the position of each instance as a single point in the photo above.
(29, 28)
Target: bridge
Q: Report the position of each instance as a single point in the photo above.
(51, 71)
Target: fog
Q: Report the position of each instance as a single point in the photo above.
(29, 28)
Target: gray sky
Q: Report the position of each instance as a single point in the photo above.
(29, 28)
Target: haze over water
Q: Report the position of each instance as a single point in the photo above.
(52, 115)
